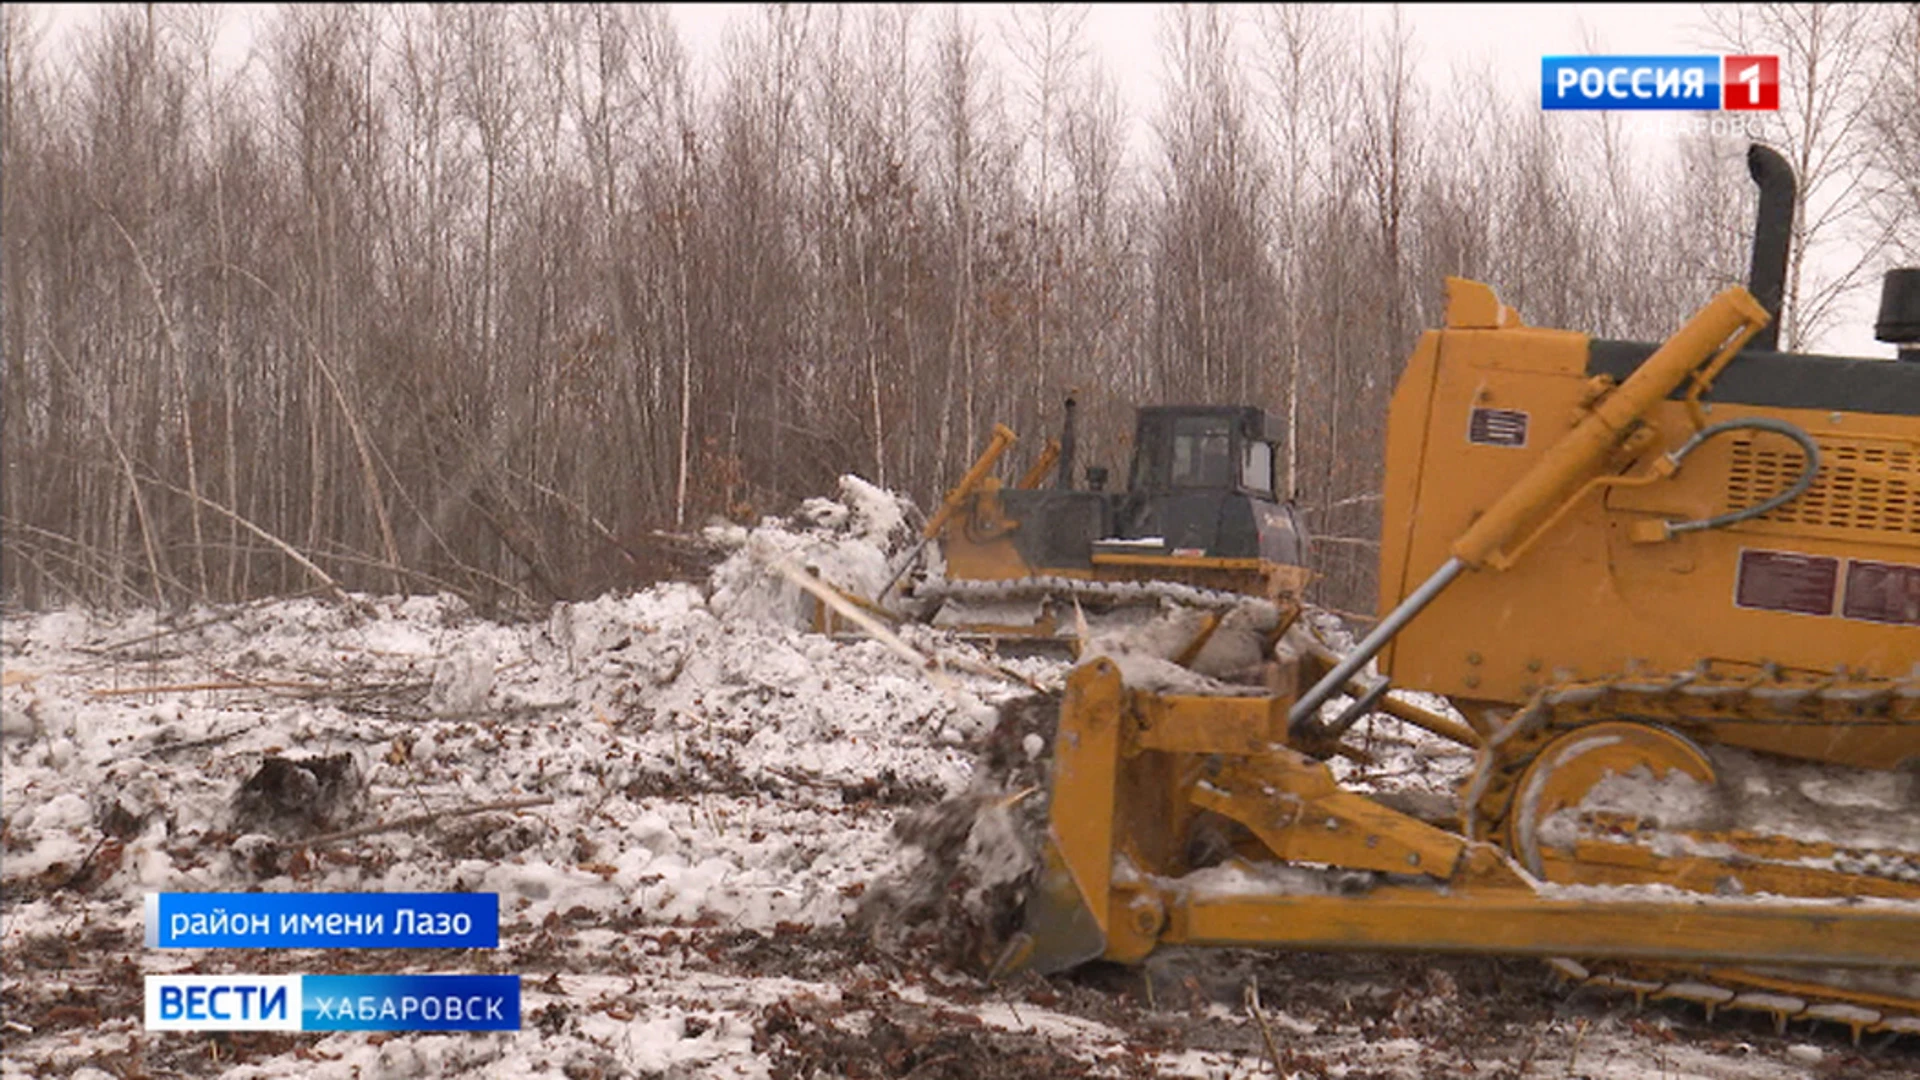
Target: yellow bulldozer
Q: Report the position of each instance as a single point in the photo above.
(1673, 589)
(1199, 525)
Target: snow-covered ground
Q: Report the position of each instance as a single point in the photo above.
(722, 787)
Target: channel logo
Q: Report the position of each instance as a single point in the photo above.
(333, 1002)
(223, 1003)
(1690, 83)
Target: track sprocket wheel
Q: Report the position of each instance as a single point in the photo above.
(1569, 768)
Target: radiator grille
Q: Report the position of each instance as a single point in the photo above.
(1862, 486)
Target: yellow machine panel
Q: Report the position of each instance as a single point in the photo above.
(1831, 580)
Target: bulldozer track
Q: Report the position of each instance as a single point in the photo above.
(1105, 593)
(1695, 699)
(1785, 999)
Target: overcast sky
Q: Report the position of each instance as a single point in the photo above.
(1510, 37)
(1504, 39)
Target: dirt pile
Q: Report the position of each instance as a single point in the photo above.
(957, 893)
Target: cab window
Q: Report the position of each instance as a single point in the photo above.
(1256, 468)
(1201, 454)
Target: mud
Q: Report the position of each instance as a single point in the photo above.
(865, 1038)
(296, 797)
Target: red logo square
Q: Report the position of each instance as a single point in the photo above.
(1750, 83)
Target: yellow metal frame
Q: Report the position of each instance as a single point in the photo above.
(1521, 924)
(1136, 773)
(1037, 474)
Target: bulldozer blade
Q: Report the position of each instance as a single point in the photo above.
(1061, 927)
(1058, 928)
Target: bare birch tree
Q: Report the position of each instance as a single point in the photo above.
(1894, 137)
(1832, 68)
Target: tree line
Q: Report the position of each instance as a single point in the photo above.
(506, 300)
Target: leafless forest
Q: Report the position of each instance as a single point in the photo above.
(500, 299)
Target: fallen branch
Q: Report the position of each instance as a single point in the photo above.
(192, 744)
(693, 541)
(27, 550)
(875, 629)
(285, 548)
(1350, 616)
(585, 515)
(361, 446)
(803, 779)
(188, 688)
(504, 712)
(426, 819)
(388, 700)
(147, 541)
(202, 624)
(989, 669)
(1266, 1033)
(86, 864)
(468, 593)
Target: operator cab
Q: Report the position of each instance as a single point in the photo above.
(1202, 481)
(1184, 448)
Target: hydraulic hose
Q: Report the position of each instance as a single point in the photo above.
(1784, 496)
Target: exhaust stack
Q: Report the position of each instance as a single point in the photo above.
(1899, 321)
(1772, 236)
(1065, 479)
